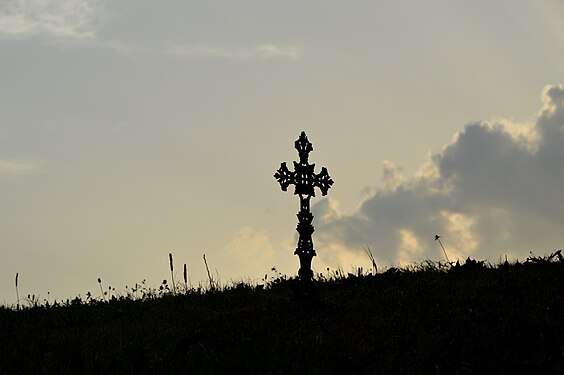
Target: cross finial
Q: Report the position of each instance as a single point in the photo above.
(304, 147)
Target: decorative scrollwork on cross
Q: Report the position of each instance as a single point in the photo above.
(305, 180)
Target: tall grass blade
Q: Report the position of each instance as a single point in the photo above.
(185, 278)
(17, 293)
(368, 252)
(212, 286)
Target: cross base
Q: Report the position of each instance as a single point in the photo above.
(305, 273)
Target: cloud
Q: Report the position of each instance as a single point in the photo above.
(76, 19)
(271, 51)
(249, 252)
(495, 189)
(15, 167)
(75, 23)
(258, 52)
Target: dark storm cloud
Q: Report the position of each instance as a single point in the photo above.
(496, 189)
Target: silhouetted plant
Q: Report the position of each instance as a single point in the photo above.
(32, 300)
(368, 252)
(103, 294)
(276, 280)
(185, 274)
(551, 258)
(438, 239)
(469, 265)
(17, 293)
(210, 278)
(172, 272)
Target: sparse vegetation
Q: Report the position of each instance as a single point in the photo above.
(432, 317)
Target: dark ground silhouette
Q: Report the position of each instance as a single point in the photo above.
(466, 318)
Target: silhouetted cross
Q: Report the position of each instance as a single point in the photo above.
(305, 180)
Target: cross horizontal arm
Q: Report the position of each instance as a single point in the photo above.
(284, 176)
(323, 181)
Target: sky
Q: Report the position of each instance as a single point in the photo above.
(131, 129)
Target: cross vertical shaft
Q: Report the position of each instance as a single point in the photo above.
(305, 180)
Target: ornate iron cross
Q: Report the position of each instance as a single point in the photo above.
(305, 180)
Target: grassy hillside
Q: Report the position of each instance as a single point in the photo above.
(431, 318)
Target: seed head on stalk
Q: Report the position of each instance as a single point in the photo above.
(172, 272)
(101, 290)
(438, 238)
